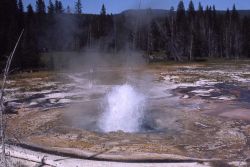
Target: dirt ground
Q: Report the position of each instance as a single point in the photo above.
(208, 116)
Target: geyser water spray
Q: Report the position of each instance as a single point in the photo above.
(123, 110)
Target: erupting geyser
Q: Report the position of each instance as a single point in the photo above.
(123, 111)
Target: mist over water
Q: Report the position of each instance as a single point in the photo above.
(124, 110)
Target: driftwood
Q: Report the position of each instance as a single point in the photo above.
(2, 108)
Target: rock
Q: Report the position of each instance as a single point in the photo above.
(185, 97)
(33, 103)
(200, 125)
(231, 135)
(64, 101)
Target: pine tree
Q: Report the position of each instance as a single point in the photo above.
(156, 35)
(191, 17)
(172, 43)
(235, 14)
(215, 34)
(20, 6)
(103, 10)
(246, 37)
(236, 35)
(51, 8)
(58, 7)
(78, 7)
(102, 24)
(191, 11)
(68, 10)
(78, 20)
(20, 27)
(9, 13)
(182, 32)
(30, 56)
(30, 12)
(180, 15)
(40, 7)
(200, 8)
(200, 17)
(20, 15)
(214, 13)
(227, 32)
(208, 30)
(200, 30)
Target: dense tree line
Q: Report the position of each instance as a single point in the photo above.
(180, 35)
(193, 34)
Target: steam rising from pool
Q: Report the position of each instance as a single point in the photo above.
(123, 111)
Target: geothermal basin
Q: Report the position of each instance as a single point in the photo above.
(197, 111)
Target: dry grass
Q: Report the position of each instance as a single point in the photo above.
(221, 164)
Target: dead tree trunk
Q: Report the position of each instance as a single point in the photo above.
(191, 48)
(90, 37)
(2, 110)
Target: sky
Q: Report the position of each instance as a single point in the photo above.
(117, 6)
